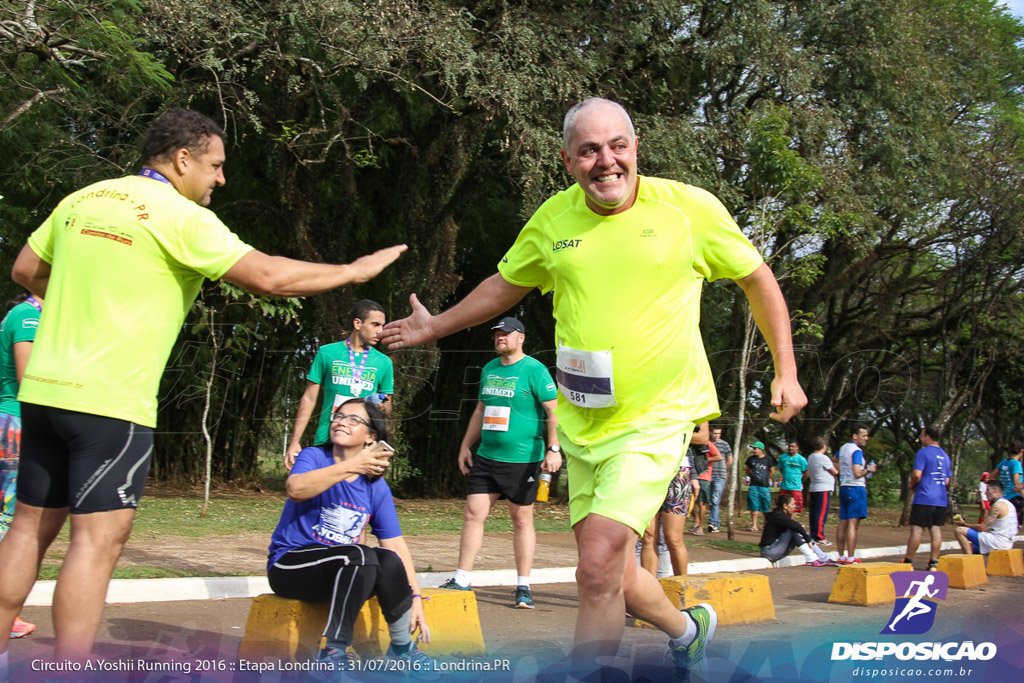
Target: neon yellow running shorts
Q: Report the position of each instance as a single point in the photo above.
(625, 477)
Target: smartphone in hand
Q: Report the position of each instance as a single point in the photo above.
(383, 447)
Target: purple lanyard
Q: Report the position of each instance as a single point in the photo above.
(357, 373)
(155, 175)
(34, 303)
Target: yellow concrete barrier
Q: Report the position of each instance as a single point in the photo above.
(964, 571)
(284, 629)
(738, 598)
(1006, 562)
(866, 584)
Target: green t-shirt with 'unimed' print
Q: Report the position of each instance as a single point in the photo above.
(513, 396)
(342, 376)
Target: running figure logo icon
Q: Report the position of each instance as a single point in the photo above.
(914, 613)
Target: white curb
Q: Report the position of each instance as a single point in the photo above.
(224, 587)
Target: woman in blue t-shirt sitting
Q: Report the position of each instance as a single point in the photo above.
(316, 554)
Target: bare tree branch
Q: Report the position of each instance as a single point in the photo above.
(26, 105)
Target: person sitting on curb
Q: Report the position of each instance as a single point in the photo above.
(782, 533)
(996, 532)
(316, 554)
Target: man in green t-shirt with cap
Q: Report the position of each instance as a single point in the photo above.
(517, 395)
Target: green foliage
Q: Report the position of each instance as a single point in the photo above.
(872, 149)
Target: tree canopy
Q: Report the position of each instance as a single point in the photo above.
(873, 150)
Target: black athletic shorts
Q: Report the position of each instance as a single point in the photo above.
(927, 516)
(516, 481)
(1017, 501)
(84, 462)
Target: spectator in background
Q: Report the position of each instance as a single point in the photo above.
(719, 477)
(707, 454)
(350, 368)
(1011, 475)
(853, 492)
(515, 425)
(792, 466)
(821, 473)
(998, 529)
(782, 533)
(760, 468)
(335, 493)
(983, 503)
(672, 516)
(929, 479)
(17, 332)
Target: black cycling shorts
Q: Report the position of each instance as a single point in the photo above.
(88, 463)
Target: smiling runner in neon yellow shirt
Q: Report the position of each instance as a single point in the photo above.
(626, 258)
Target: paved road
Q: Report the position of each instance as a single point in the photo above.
(135, 639)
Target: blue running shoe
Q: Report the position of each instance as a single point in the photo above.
(450, 584)
(414, 662)
(334, 666)
(524, 598)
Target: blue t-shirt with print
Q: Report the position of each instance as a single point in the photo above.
(933, 462)
(1007, 468)
(337, 516)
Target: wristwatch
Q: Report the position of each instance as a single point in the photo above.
(555, 449)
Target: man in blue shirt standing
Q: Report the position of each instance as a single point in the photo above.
(929, 479)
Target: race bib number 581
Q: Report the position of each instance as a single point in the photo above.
(585, 377)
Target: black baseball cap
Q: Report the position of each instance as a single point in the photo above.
(510, 325)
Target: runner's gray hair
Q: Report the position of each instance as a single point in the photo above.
(569, 123)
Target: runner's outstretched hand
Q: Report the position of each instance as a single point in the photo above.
(365, 268)
(412, 331)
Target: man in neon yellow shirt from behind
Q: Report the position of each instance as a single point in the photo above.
(120, 262)
(626, 257)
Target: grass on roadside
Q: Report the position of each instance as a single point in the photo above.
(743, 547)
(51, 567)
(164, 516)
(170, 514)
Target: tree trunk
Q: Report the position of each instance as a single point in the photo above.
(206, 415)
(748, 345)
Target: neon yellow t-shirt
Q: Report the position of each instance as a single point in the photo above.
(128, 257)
(630, 284)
